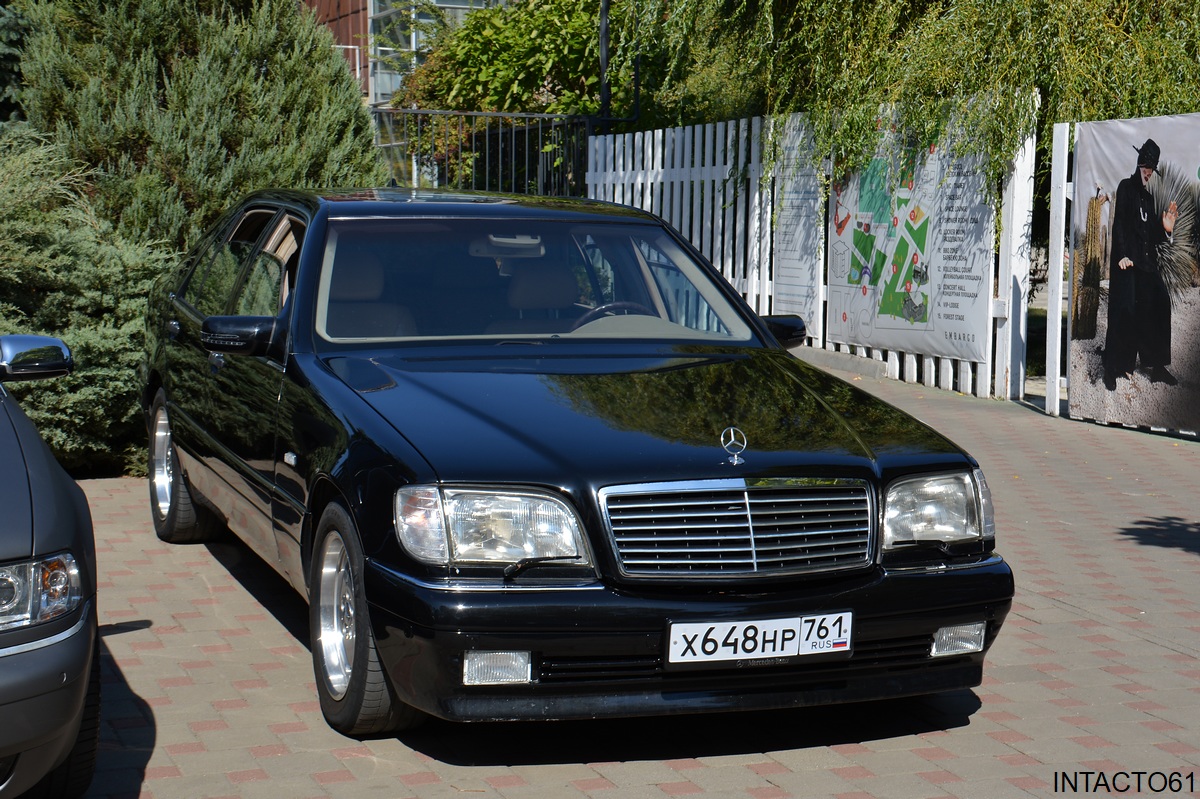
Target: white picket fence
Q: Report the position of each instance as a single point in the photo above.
(708, 182)
(705, 180)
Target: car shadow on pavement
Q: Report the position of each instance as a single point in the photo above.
(265, 584)
(688, 736)
(1166, 531)
(623, 740)
(127, 729)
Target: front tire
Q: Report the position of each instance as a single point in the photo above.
(177, 520)
(355, 696)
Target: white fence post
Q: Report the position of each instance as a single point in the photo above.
(728, 194)
(1059, 192)
(754, 265)
(708, 191)
(1012, 295)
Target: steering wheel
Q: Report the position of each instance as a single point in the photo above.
(612, 309)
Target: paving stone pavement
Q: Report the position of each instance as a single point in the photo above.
(208, 687)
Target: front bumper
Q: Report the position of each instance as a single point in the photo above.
(601, 652)
(43, 689)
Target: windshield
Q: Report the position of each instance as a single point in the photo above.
(401, 279)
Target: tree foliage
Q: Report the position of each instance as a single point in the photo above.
(156, 115)
(394, 27)
(183, 105)
(65, 272)
(989, 72)
(12, 30)
(536, 56)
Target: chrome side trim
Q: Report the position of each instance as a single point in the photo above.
(497, 587)
(42, 643)
(938, 568)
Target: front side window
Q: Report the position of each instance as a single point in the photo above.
(260, 294)
(272, 273)
(211, 288)
(404, 279)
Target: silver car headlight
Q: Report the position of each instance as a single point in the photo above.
(454, 526)
(37, 591)
(941, 508)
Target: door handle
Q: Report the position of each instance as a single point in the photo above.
(216, 360)
(173, 329)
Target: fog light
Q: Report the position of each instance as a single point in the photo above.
(961, 639)
(497, 668)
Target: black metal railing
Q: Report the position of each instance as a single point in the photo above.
(518, 153)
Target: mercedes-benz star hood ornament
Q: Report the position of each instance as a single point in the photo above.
(734, 442)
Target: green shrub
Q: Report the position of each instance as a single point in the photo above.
(537, 56)
(64, 272)
(184, 105)
(12, 31)
(175, 108)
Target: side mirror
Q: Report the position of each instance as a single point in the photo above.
(28, 357)
(789, 330)
(238, 335)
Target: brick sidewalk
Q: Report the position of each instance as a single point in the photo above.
(208, 683)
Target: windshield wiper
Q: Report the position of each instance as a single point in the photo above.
(514, 569)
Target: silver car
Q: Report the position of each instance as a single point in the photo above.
(49, 669)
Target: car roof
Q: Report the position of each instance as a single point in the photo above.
(396, 202)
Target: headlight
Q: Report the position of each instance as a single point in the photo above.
(945, 508)
(34, 592)
(461, 526)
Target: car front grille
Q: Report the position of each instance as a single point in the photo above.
(740, 528)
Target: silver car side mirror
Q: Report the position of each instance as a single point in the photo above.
(30, 357)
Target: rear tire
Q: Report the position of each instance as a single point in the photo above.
(356, 698)
(177, 520)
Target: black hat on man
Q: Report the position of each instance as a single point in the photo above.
(1148, 155)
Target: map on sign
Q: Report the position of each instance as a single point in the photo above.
(889, 237)
(910, 257)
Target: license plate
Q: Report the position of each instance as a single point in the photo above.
(704, 642)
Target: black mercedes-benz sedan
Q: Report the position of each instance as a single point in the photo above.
(533, 458)
(49, 661)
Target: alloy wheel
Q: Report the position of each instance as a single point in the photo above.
(162, 471)
(337, 615)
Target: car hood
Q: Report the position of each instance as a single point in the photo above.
(611, 420)
(16, 534)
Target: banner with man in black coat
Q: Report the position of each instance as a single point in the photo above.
(1135, 349)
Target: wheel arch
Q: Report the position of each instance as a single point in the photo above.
(323, 493)
(150, 388)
